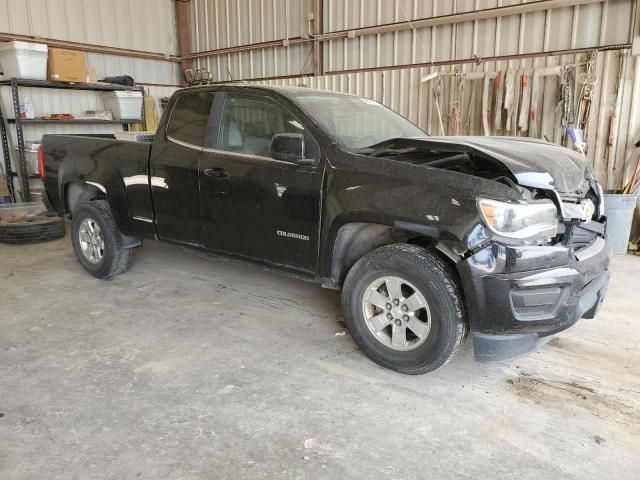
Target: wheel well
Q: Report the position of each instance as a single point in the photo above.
(354, 240)
(76, 193)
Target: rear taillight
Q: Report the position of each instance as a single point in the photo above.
(41, 162)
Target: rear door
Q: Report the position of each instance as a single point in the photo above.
(174, 168)
(252, 204)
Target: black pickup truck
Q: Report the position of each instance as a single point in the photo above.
(428, 237)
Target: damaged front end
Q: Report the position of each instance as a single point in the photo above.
(521, 288)
(537, 258)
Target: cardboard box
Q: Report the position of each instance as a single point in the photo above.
(67, 65)
(4, 188)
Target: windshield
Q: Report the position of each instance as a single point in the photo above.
(356, 122)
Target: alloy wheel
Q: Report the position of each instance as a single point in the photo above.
(396, 313)
(91, 240)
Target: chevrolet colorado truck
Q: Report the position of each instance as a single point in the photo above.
(428, 237)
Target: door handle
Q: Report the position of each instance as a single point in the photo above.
(215, 173)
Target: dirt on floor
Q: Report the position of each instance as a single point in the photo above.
(191, 368)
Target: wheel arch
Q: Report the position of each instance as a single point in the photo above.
(355, 239)
(77, 192)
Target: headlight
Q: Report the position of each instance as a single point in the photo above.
(521, 221)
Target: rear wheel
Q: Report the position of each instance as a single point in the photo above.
(404, 309)
(97, 242)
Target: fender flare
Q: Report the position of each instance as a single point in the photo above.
(76, 191)
(353, 239)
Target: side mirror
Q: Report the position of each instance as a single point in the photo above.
(289, 147)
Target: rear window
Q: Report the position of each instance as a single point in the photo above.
(188, 121)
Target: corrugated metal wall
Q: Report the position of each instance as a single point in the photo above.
(217, 24)
(582, 26)
(147, 25)
(220, 24)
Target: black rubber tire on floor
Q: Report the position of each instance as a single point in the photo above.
(39, 228)
(436, 281)
(116, 259)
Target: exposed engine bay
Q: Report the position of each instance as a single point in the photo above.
(580, 211)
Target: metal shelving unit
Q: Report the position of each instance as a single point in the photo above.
(5, 154)
(75, 121)
(20, 123)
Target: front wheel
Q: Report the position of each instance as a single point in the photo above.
(97, 242)
(404, 309)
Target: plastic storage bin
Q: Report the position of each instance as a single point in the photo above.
(23, 60)
(31, 156)
(14, 211)
(619, 211)
(124, 104)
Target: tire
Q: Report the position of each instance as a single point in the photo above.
(105, 258)
(395, 335)
(38, 228)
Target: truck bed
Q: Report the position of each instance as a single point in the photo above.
(120, 167)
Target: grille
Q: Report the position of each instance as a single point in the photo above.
(583, 234)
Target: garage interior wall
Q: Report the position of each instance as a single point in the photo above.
(141, 26)
(383, 48)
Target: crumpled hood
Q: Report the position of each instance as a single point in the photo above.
(535, 163)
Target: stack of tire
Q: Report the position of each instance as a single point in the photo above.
(31, 229)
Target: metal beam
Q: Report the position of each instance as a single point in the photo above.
(484, 14)
(318, 30)
(441, 63)
(636, 31)
(184, 35)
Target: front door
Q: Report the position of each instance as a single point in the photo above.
(252, 204)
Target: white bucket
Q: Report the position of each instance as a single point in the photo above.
(31, 158)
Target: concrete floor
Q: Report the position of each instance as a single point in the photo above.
(191, 368)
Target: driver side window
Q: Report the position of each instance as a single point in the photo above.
(248, 125)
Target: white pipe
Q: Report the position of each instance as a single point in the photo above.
(429, 77)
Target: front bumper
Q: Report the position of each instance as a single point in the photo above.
(517, 296)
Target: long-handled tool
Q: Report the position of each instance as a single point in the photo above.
(633, 185)
(436, 95)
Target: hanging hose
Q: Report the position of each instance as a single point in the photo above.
(454, 121)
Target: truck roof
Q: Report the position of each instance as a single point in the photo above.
(282, 89)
